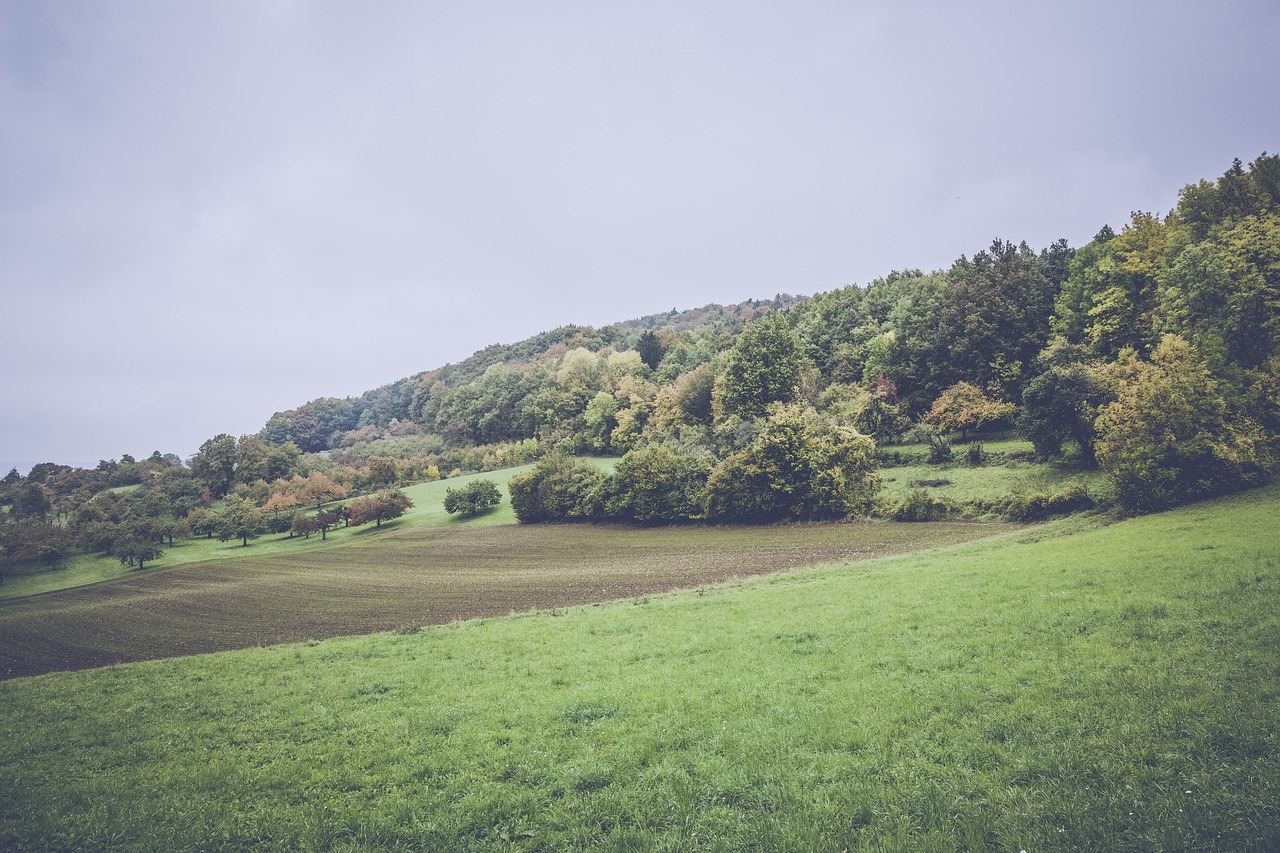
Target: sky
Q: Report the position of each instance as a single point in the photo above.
(212, 211)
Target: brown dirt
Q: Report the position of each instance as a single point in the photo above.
(421, 576)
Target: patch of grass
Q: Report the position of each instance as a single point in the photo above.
(1109, 690)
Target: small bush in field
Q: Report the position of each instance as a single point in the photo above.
(478, 496)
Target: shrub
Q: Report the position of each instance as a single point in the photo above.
(919, 505)
(479, 496)
(559, 488)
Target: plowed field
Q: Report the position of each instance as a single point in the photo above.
(414, 577)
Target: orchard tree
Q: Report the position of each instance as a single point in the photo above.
(326, 519)
(963, 407)
(240, 519)
(304, 526)
(381, 507)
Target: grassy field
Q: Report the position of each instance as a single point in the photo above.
(412, 576)
(1115, 689)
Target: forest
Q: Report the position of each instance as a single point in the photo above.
(1151, 353)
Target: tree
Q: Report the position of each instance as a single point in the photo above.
(326, 519)
(996, 318)
(558, 488)
(383, 506)
(134, 546)
(317, 490)
(1170, 437)
(601, 420)
(651, 349)
(1062, 402)
(659, 482)
(304, 526)
(799, 467)
(964, 407)
(763, 367)
(478, 496)
(239, 519)
(215, 464)
(383, 470)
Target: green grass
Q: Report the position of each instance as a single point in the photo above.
(1115, 689)
(991, 482)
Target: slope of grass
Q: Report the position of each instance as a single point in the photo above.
(1115, 689)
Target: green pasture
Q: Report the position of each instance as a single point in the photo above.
(1110, 689)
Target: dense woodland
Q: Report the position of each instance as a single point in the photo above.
(1152, 352)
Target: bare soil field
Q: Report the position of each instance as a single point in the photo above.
(414, 577)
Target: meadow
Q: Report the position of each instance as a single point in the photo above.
(1065, 687)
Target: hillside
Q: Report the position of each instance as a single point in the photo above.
(1150, 355)
(1111, 689)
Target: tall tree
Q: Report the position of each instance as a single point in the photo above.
(763, 367)
(215, 464)
(996, 318)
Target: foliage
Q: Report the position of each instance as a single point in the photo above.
(477, 497)
(763, 367)
(558, 488)
(661, 482)
(918, 505)
(1061, 402)
(381, 507)
(1170, 436)
(798, 467)
(239, 519)
(963, 407)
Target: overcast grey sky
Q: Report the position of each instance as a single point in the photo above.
(210, 211)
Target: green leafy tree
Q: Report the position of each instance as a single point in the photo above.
(798, 467)
(477, 497)
(1061, 403)
(996, 318)
(558, 488)
(215, 464)
(240, 519)
(601, 420)
(763, 367)
(1170, 437)
(660, 482)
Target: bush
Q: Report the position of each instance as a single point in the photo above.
(479, 496)
(918, 505)
(559, 488)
